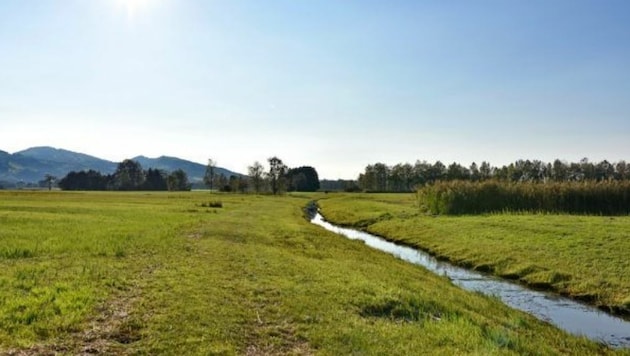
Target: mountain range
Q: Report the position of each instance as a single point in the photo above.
(32, 164)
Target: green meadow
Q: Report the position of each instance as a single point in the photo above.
(585, 257)
(196, 273)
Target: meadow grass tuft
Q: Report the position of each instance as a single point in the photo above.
(16, 253)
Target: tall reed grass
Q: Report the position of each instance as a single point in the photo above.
(463, 197)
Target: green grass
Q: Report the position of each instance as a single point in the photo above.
(159, 273)
(581, 256)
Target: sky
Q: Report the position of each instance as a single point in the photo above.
(331, 84)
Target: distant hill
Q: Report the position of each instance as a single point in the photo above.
(65, 161)
(32, 164)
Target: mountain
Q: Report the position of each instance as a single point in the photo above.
(32, 164)
(66, 161)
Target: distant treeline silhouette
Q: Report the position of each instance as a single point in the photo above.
(129, 175)
(405, 177)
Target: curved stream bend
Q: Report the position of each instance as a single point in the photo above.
(576, 318)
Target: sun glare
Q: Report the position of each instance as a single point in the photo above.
(132, 7)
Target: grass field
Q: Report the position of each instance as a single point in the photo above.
(158, 273)
(585, 257)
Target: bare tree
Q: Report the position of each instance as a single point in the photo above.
(256, 172)
(209, 177)
(50, 179)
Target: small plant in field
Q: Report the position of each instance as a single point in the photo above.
(17, 253)
(501, 339)
(213, 204)
(411, 310)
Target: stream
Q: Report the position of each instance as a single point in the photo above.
(566, 314)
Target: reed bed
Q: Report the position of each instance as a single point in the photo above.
(463, 197)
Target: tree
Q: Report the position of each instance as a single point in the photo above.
(474, 172)
(276, 175)
(539, 171)
(128, 176)
(396, 181)
(49, 180)
(209, 177)
(575, 172)
(421, 172)
(367, 180)
(436, 172)
(222, 183)
(303, 179)
(233, 183)
(243, 184)
(406, 171)
(486, 171)
(456, 171)
(256, 176)
(178, 181)
(155, 179)
(296, 182)
(588, 169)
(85, 180)
(604, 170)
(622, 170)
(381, 174)
(560, 171)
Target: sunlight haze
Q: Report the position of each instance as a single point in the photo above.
(335, 85)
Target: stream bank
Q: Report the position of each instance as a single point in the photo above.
(567, 314)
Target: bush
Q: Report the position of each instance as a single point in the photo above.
(463, 197)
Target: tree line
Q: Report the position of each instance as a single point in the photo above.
(404, 177)
(275, 179)
(128, 176)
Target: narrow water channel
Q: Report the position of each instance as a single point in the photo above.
(574, 317)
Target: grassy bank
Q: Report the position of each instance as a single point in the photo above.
(159, 273)
(581, 256)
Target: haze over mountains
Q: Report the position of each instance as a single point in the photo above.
(32, 164)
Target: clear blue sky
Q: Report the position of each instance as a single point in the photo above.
(332, 84)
